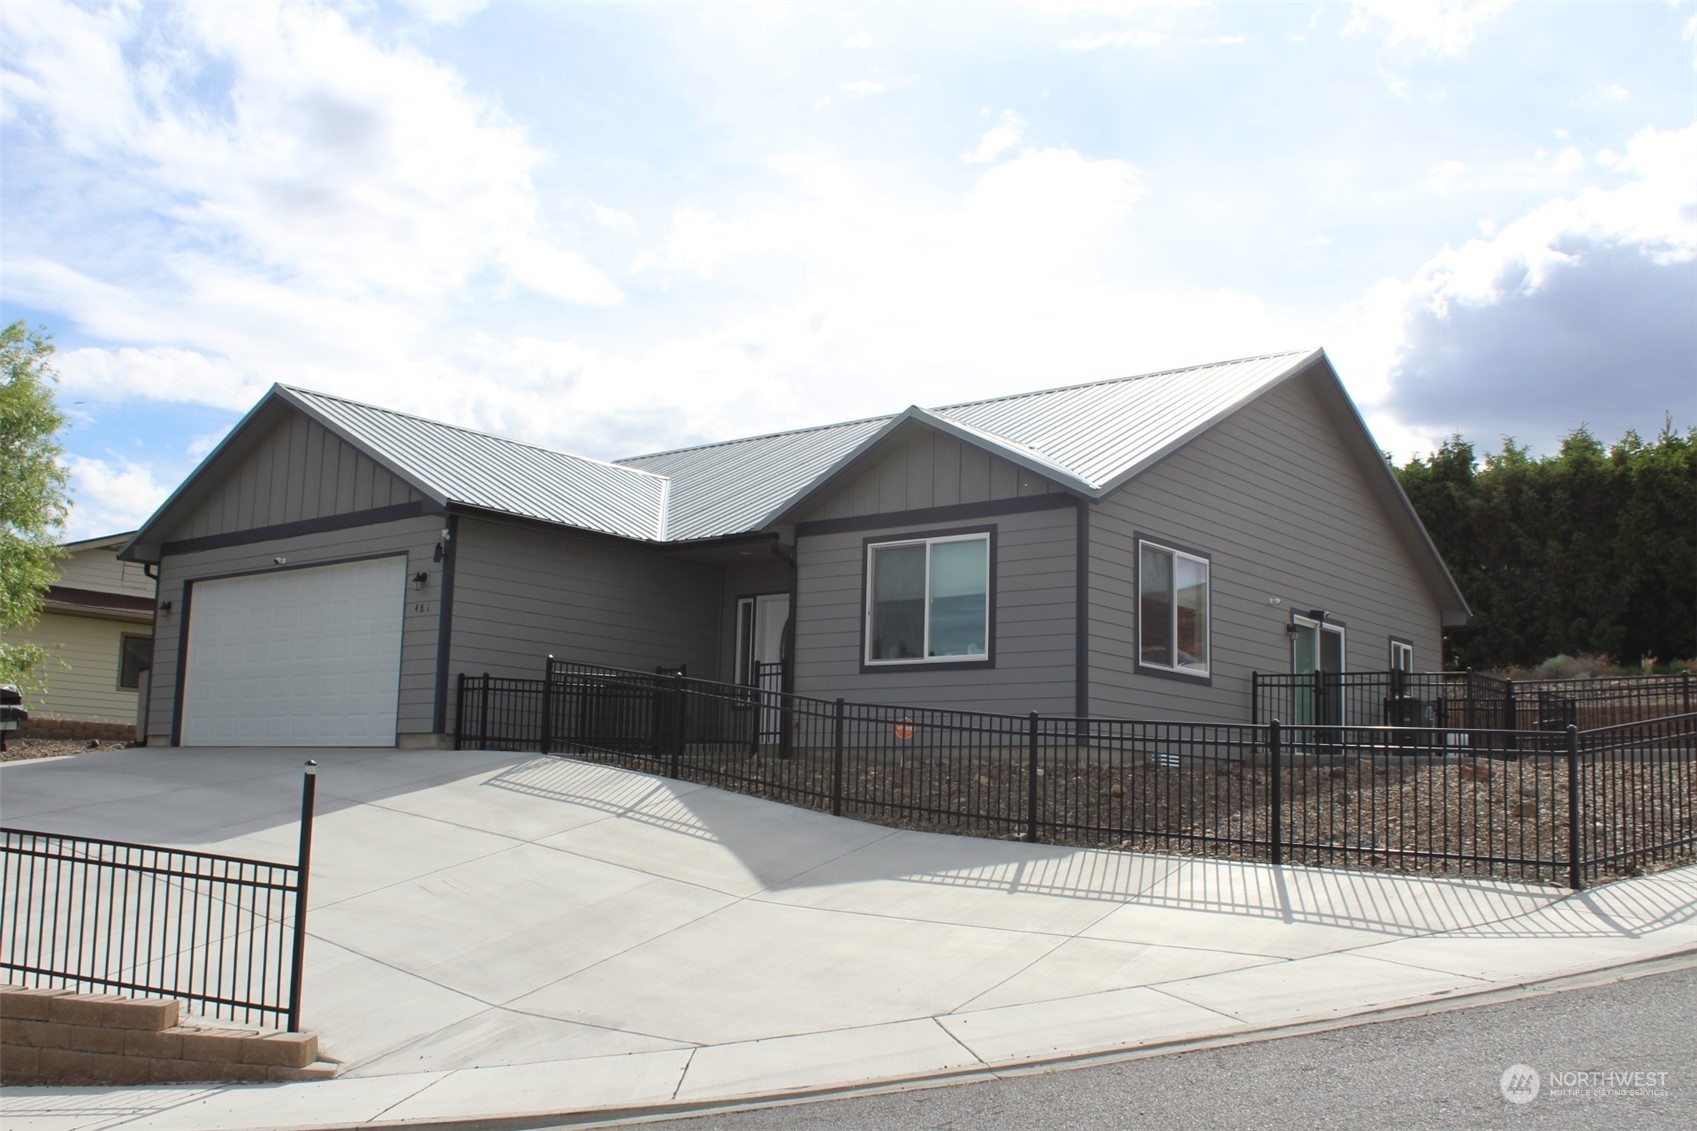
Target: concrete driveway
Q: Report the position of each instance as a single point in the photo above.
(498, 934)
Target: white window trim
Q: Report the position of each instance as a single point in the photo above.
(1207, 670)
(872, 549)
(1400, 647)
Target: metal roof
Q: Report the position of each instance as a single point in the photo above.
(1087, 438)
(1106, 432)
(457, 465)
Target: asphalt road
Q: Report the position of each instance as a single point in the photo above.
(1432, 1071)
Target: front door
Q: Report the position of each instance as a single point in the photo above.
(1316, 658)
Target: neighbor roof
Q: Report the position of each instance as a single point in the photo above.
(1088, 439)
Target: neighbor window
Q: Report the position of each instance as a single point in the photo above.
(135, 656)
(1402, 655)
(1172, 625)
(928, 599)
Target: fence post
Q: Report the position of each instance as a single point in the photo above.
(1510, 719)
(483, 716)
(547, 701)
(1275, 798)
(679, 706)
(1576, 860)
(837, 759)
(303, 865)
(459, 713)
(1685, 681)
(1254, 698)
(1031, 779)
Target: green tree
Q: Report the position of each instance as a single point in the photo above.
(1588, 551)
(32, 493)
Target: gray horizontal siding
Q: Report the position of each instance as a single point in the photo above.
(1034, 623)
(522, 594)
(416, 538)
(296, 471)
(916, 468)
(1284, 510)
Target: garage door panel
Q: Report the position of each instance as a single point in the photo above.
(305, 657)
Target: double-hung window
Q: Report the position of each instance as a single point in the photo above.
(928, 600)
(1172, 622)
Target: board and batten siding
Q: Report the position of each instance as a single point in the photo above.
(1034, 650)
(521, 594)
(917, 467)
(414, 538)
(296, 471)
(1285, 511)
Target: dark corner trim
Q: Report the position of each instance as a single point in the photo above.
(445, 627)
(183, 606)
(959, 512)
(305, 526)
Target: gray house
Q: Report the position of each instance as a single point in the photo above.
(1130, 548)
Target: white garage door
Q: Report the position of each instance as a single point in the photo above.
(303, 657)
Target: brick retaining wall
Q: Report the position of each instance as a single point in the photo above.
(61, 1037)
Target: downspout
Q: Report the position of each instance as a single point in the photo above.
(787, 682)
(445, 624)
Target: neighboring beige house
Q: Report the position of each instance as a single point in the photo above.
(97, 626)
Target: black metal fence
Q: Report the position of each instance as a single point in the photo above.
(1467, 701)
(1560, 806)
(225, 934)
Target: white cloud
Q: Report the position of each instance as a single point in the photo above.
(108, 496)
(1443, 27)
(445, 12)
(1576, 311)
(1444, 175)
(859, 41)
(865, 86)
(999, 138)
(331, 164)
(1126, 37)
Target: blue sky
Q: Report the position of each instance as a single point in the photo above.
(617, 229)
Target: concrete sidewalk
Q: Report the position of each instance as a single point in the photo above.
(502, 935)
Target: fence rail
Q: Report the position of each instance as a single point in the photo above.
(225, 934)
(1450, 794)
(1468, 700)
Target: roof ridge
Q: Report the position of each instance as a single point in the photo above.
(762, 436)
(1127, 377)
(299, 391)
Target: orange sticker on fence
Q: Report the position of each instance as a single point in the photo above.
(904, 728)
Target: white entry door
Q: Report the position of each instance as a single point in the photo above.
(302, 657)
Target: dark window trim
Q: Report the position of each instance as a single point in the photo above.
(957, 512)
(187, 604)
(866, 545)
(124, 639)
(306, 526)
(1138, 538)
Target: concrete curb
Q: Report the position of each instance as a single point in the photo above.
(608, 1117)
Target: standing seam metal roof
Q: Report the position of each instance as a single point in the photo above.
(1089, 437)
